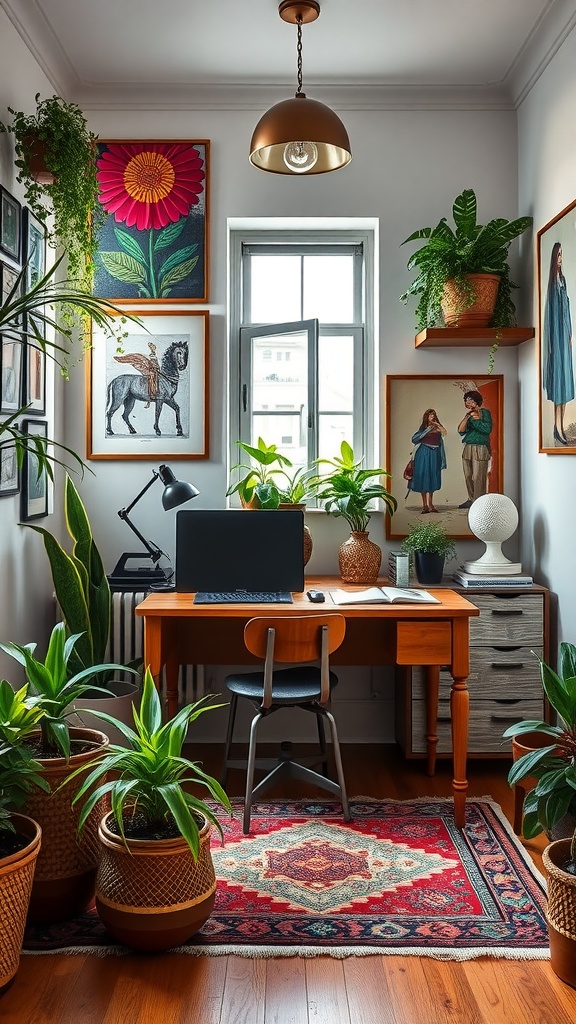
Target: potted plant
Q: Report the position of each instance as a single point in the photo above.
(83, 595)
(31, 315)
(550, 805)
(430, 546)
(349, 491)
(56, 164)
(66, 869)
(19, 834)
(293, 493)
(156, 883)
(447, 294)
(257, 488)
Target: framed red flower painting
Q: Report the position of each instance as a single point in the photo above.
(153, 238)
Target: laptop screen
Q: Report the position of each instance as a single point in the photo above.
(238, 549)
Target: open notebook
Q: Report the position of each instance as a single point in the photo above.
(383, 595)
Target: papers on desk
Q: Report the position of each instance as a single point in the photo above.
(384, 595)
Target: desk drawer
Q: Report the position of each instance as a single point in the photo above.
(494, 672)
(488, 720)
(507, 619)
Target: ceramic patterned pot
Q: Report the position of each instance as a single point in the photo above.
(359, 558)
(455, 308)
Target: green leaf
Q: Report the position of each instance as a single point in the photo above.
(168, 235)
(123, 267)
(177, 257)
(130, 245)
(177, 274)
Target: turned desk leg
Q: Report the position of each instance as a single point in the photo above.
(459, 709)
(432, 690)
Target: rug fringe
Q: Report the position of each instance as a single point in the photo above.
(337, 953)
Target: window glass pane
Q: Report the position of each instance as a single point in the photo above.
(287, 432)
(333, 430)
(275, 289)
(329, 289)
(280, 393)
(335, 374)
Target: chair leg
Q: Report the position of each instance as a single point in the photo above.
(322, 742)
(338, 762)
(229, 734)
(250, 773)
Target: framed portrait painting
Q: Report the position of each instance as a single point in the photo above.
(9, 470)
(148, 397)
(10, 375)
(444, 448)
(34, 483)
(557, 363)
(152, 224)
(10, 225)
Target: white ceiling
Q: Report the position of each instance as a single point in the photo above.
(224, 52)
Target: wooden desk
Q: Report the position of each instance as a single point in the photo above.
(176, 632)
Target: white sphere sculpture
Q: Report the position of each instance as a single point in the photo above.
(493, 518)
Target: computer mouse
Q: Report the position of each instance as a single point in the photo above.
(316, 596)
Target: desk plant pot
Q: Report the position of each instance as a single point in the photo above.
(429, 567)
(561, 912)
(65, 877)
(429, 546)
(359, 559)
(16, 874)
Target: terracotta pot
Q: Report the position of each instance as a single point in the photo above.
(359, 558)
(65, 875)
(524, 745)
(153, 895)
(35, 151)
(429, 567)
(455, 308)
(16, 874)
(561, 913)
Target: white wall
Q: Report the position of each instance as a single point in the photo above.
(547, 184)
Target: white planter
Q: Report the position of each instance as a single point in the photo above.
(125, 695)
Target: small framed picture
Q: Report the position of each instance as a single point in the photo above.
(8, 278)
(34, 482)
(35, 377)
(10, 225)
(9, 471)
(34, 248)
(10, 375)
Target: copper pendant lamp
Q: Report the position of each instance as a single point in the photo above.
(300, 136)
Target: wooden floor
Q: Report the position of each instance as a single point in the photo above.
(180, 989)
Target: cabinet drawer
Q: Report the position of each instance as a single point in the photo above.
(488, 720)
(494, 672)
(507, 619)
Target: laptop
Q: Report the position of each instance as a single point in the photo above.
(240, 556)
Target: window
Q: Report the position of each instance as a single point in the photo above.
(301, 312)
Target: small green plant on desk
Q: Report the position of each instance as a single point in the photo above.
(257, 487)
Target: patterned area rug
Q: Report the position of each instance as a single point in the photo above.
(398, 878)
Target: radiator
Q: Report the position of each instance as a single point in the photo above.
(127, 643)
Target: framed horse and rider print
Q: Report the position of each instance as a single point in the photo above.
(148, 391)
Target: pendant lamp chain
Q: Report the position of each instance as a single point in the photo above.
(299, 51)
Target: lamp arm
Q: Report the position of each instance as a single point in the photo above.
(129, 508)
(153, 550)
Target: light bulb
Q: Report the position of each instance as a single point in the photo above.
(300, 156)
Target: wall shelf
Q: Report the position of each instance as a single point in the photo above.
(475, 337)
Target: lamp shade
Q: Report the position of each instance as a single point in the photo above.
(304, 125)
(176, 492)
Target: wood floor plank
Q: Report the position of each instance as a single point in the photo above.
(244, 995)
(286, 1001)
(37, 993)
(201, 982)
(326, 990)
(369, 998)
(451, 993)
(520, 990)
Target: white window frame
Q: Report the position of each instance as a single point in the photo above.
(367, 439)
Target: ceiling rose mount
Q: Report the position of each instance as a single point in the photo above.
(300, 135)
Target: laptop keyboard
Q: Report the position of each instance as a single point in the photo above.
(244, 597)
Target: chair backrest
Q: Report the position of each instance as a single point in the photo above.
(298, 638)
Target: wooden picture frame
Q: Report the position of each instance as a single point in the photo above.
(34, 502)
(150, 400)
(153, 243)
(556, 262)
(10, 225)
(35, 377)
(33, 248)
(11, 353)
(9, 469)
(407, 399)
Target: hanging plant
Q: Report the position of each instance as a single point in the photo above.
(56, 165)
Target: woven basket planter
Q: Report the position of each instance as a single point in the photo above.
(152, 895)
(359, 558)
(457, 311)
(16, 874)
(65, 876)
(561, 912)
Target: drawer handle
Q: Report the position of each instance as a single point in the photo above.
(510, 717)
(508, 665)
(443, 718)
(507, 611)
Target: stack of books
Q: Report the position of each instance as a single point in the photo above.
(399, 568)
(468, 579)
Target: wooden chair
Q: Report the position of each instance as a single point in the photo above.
(292, 640)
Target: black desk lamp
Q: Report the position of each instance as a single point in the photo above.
(124, 577)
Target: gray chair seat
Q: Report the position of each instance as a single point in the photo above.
(289, 685)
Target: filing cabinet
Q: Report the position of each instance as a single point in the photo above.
(506, 640)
